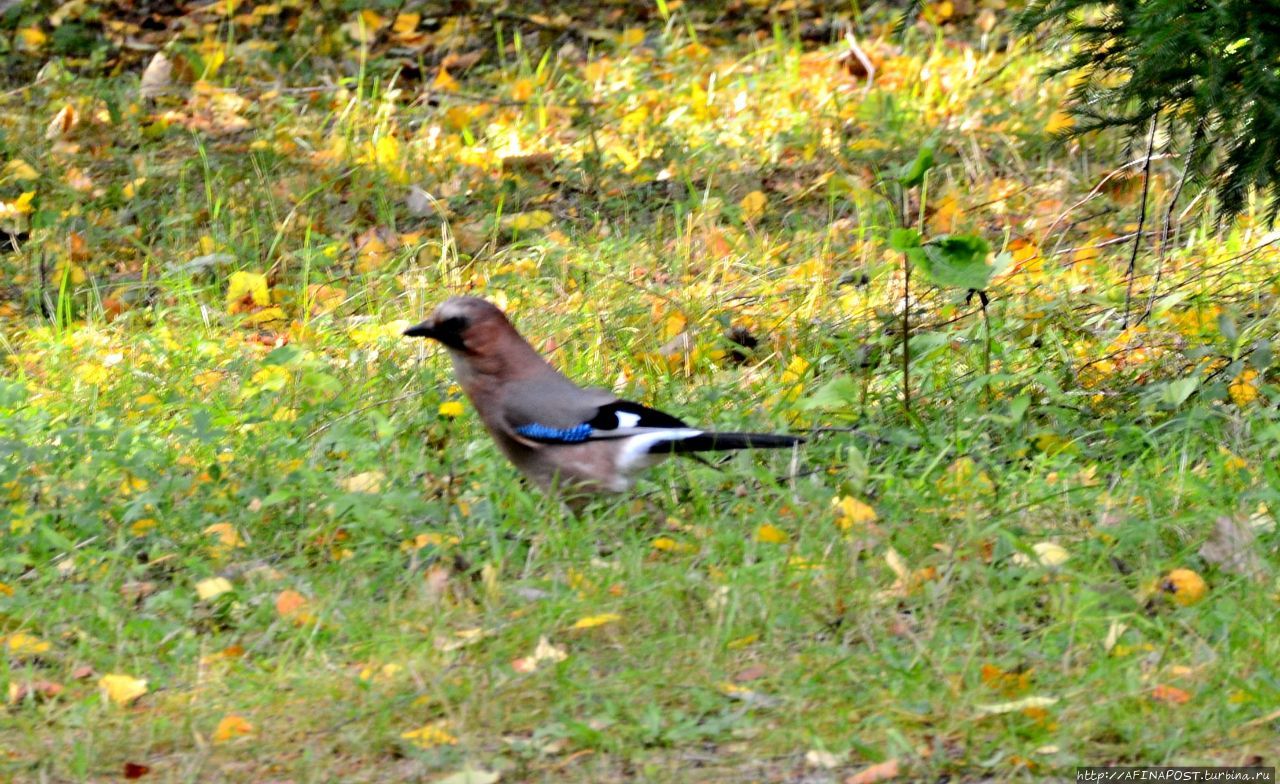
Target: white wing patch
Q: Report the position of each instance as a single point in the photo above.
(634, 454)
(627, 419)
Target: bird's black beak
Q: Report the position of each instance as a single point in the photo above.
(423, 330)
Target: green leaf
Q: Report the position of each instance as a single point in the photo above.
(1018, 407)
(839, 392)
(1262, 355)
(1227, 326)
(913, 173)
(1176, 392)
(958, 262)
(903, 240)
(282, 355)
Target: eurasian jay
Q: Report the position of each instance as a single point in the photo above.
(557, 433)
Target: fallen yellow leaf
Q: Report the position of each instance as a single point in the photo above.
(850, 512)
(1184, 586)
(20, 644)
(753, 205)
(20, 206)
(212, 588)
(227, 537)
(31, 39)
(771, 534)
(668, 545)
(1017, 705)
(122, 689)
(366, 482)
(291, 604)
(596, 620)
(543, 653)
(1046, 554)
(527, 221)
(245, 290)
(231, 727)
(19, 169)
(430, 735)
(444, 82)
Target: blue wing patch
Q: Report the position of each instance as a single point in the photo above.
(563, 435)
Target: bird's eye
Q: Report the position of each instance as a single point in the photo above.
(452, 325)
(449, 331)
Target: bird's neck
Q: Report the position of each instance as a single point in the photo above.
(505, 359)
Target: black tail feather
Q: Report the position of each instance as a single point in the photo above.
(715, 442)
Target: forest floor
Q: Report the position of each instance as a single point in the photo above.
(250, 533)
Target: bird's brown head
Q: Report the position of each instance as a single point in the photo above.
(465, 324)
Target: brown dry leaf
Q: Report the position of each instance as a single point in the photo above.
(157, 78)
(292, 605)
(818, 758)
(374, 247)
(325, 298)
(883, 771)
(135, 770)
(1231, 548)
(753, 673)
(543, 653)
(77, 246)
(537, 162)
(1170, 695)
(36, 690)
(456, 61)
(62, 123)
(469, 237)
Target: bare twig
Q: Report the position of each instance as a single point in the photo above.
(1115, 173)
(1164, 232)
(1142, 219)
(862, 58)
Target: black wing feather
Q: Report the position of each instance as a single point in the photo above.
(606, 417)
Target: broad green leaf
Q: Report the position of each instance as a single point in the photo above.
(282, 355)
(1176, 392)
(903, 240)
(958, 262)
(1227, 326)
(1262, 355)
(839, 392)
(913, 173)
(1018, 407)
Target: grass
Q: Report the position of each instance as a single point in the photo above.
(389, 572)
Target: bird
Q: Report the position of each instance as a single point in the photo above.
(580, 441)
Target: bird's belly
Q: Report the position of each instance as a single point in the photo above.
(591, 467)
